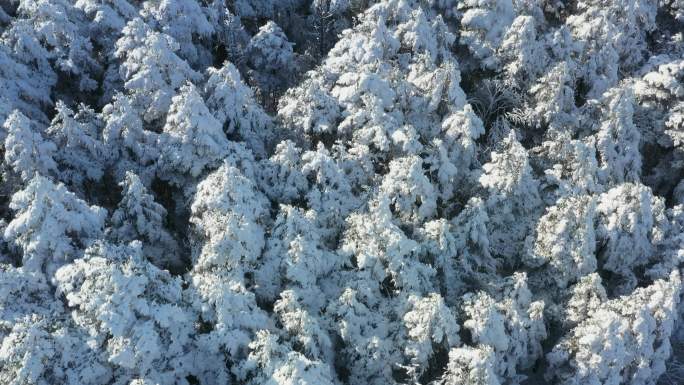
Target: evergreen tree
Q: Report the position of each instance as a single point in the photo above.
(139, 217)
(51, 226)
(232, 103)
(26, 151)
(151, 70)
(192, 141)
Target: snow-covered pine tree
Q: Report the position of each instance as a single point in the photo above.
(51, 226)
(192, 140)
(139, 217)
(26, 151)
(151, 70)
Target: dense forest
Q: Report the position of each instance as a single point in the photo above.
(341, 192)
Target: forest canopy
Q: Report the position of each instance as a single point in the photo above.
(341, 192)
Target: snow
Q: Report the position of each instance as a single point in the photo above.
(341, 192)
